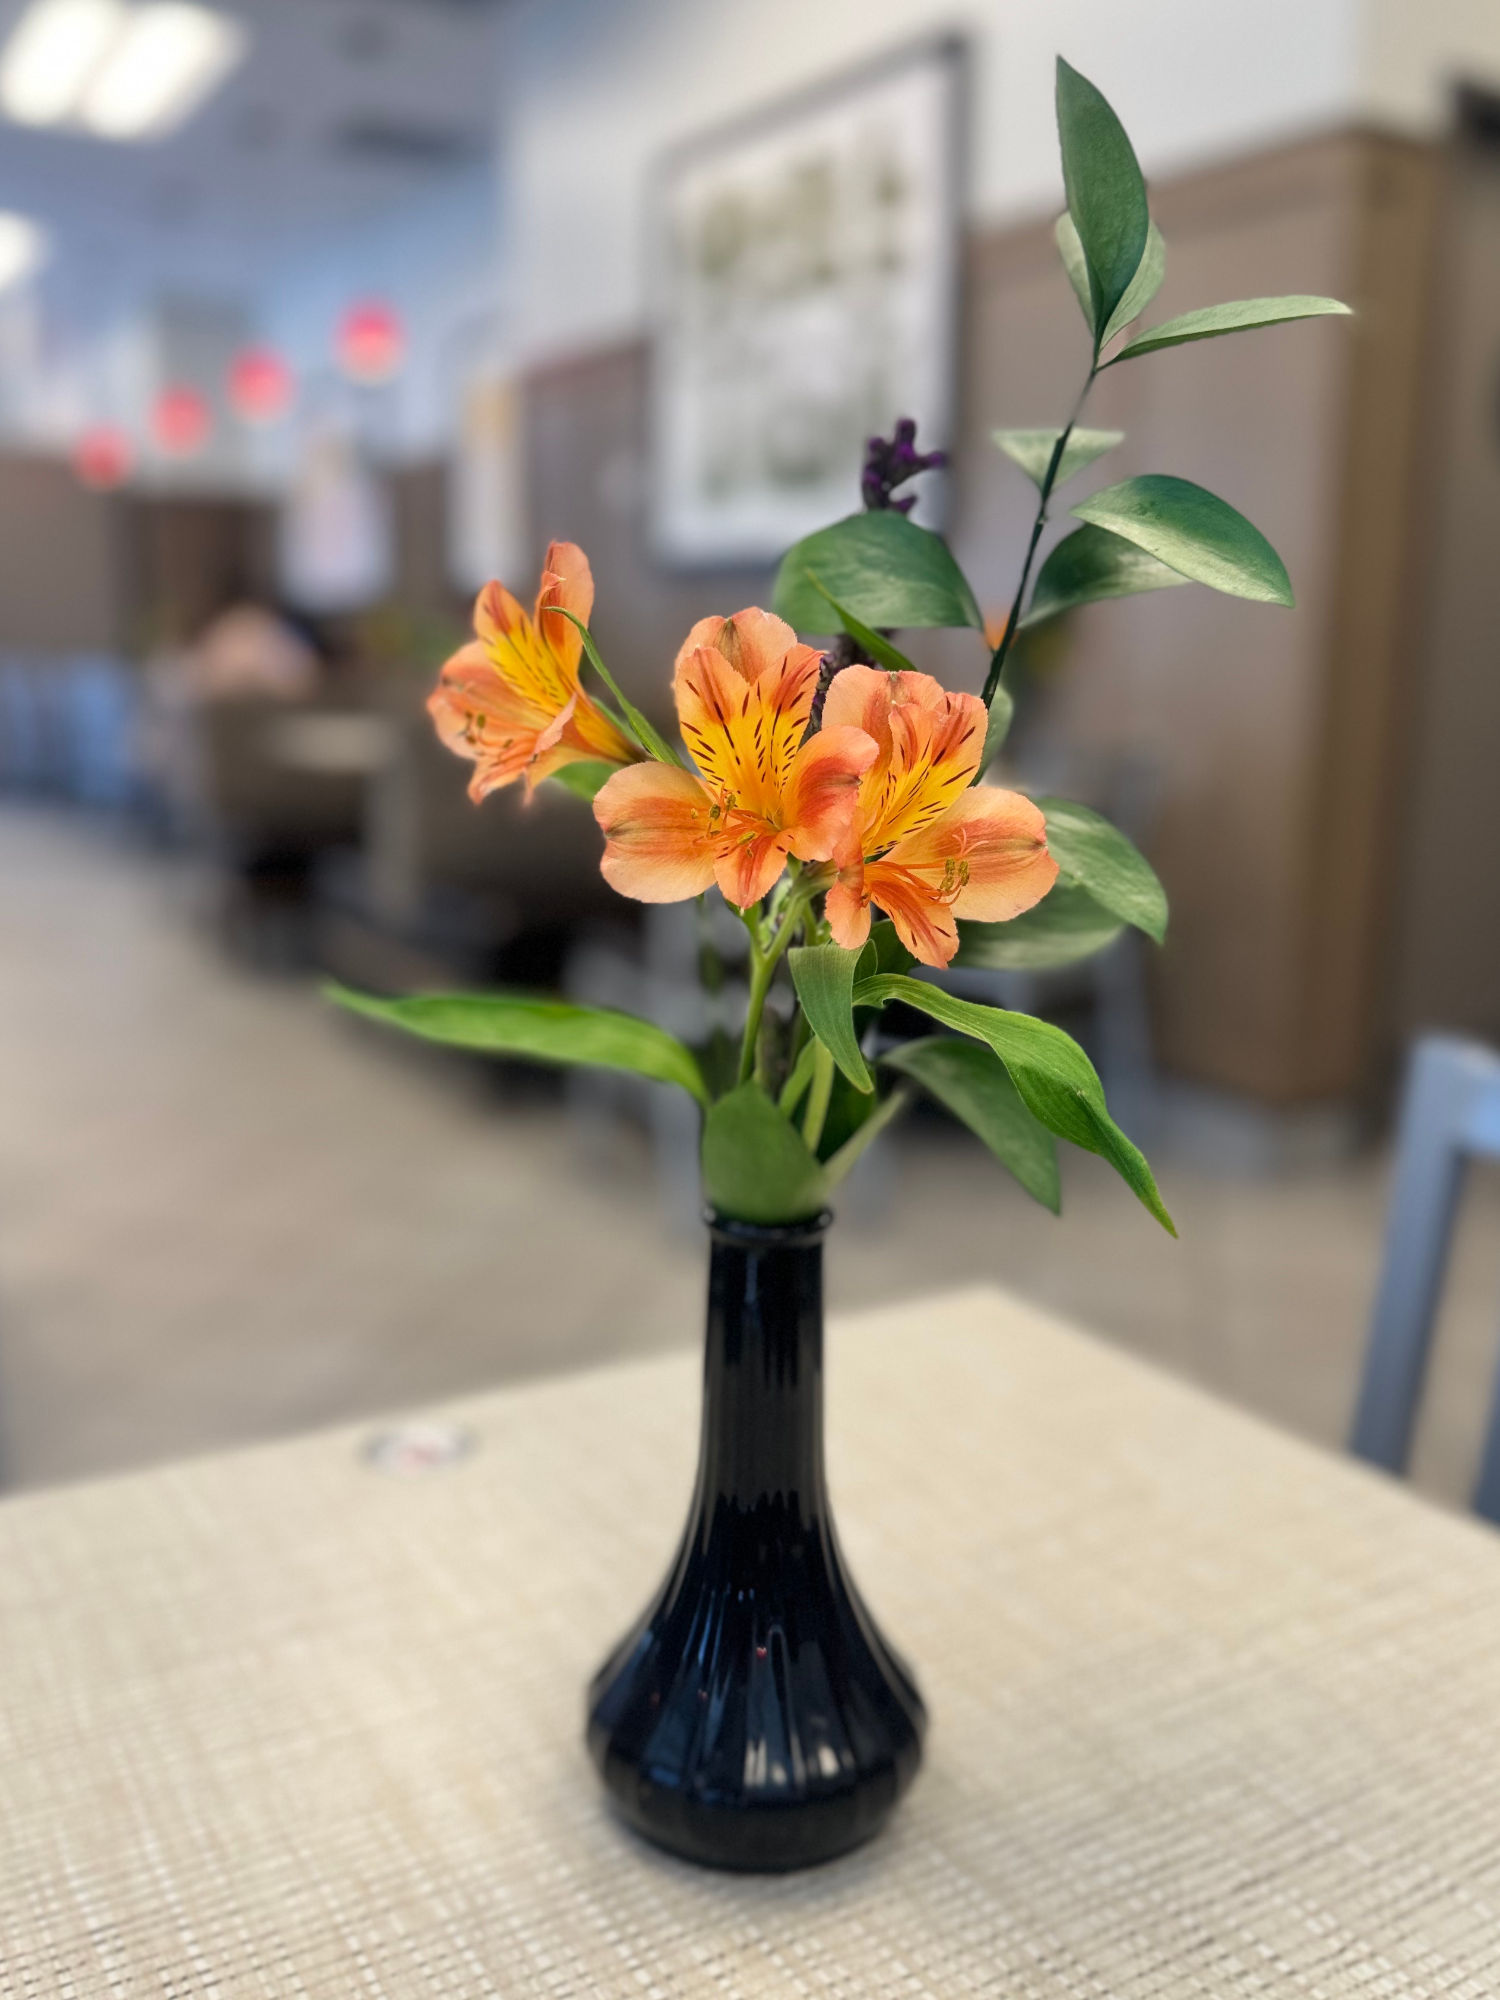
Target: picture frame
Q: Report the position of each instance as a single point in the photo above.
(804, 267)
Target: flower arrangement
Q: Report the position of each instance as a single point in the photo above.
(836, 798)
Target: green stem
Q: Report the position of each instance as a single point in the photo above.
(801, 1076)
(764, 960)
(817, 1097)
(1012, 623)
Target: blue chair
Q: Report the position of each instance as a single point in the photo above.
(1450, 1114)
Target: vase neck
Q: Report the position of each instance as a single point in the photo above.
(763, 1368)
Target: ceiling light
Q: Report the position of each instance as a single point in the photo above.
(168, 58)
(181, 421)
(53, 51)
(369, 343)
(22, 248)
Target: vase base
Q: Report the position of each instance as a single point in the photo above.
(758, 1839)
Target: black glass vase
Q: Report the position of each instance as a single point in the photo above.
(755, 1718)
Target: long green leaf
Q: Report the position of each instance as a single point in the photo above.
(971, 1081)
(884, 568)
(1089, 565)
(1032, 451)
(1106, 194)
(640, 726)
(755, 1166)
(539, 1030)
(1143, 287)
(1057, 1082)
(1097, 855)
(1235, 316)
(1192, 531)
(865, 636)
(823, 975)
(1066, 926)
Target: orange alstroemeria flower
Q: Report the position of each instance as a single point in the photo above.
(926, 843)
(511, 700)
(744, 689)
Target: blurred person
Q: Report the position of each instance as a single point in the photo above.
(247, 651)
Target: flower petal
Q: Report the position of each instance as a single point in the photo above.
(658, 844)
(930, 744)
(860, 698)
(750, 866)
(986, 859)
(496, 614)
(822, 789)
(924, 923)
(592, 734)
(568, 583)
(745, 734)
(477, 715)
(1003, 847)
(847, 907)
(752, 641)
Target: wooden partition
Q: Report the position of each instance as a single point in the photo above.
(1276, 734)
(64, 570)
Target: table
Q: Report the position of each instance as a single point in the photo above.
(1215, 1714)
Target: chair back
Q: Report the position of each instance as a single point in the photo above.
(1450, 1114)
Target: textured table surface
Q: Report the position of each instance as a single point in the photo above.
(1215, 1715)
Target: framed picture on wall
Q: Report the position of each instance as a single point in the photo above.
(804, 277)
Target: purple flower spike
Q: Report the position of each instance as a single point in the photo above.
(890, 462)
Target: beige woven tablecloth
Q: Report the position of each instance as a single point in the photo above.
(1214, 1715)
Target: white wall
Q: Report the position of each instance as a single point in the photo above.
(438, 260)
(593, 89)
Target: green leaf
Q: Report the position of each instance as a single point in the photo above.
(1141, 290)
(1192, 531)
(883, 568)
(1067, 925)
(1143, 287)
(1090, 851)
(1089, 565)
(638, 726)
(1106, 194)
(1071, 251)
(838, 1163)
(540, 1030)
(1032, 451)
(1057, 1082)
(585, 778)
(1236, 316)
(973, 1083)
(755, 1166)
(823, 975)
(1002, 714)
(866, 637)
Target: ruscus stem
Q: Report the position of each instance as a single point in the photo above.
(1007, 637)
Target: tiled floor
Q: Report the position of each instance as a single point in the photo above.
(226, 1211)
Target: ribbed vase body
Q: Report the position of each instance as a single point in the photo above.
(755, 1718)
